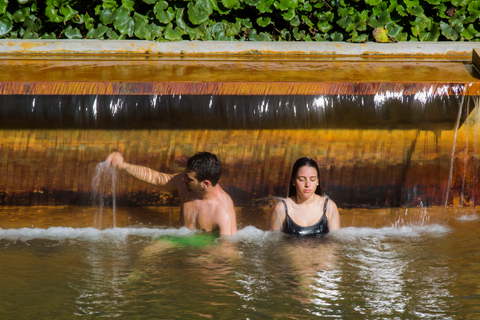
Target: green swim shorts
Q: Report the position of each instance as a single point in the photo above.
(197, 240)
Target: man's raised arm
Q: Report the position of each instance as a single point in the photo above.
(163, 180)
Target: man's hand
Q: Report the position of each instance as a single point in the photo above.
(115, 159)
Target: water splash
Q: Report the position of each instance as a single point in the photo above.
(103, 186)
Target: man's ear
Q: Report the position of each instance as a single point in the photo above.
(207, 183)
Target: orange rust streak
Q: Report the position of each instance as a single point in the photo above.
(239, 77)
(217, 88)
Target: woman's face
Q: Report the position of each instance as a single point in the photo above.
(306, 181)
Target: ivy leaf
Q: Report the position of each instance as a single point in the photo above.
(51, 13)
(298, 35)
(3, 6)
(199, 12)
(72, 33)
(415, 10)
(107, 16)
(67, 12)
(451, 32)
(324, 26)
(379, 21)
(265, 6)
(123, 22)
(253, 36)
(97, 33)
(172, 34)
(229, 4)
(263, 21)
(150, 1)
(6, 24)
(128, 4)
(141, 29)
(163, 12)
(21, 14)
(470, 32)
(373, 3)
(336, 36)
(359, 39)
(431, 35)
(380, 35)
(32, 23)
(393, 29)
(50, 35)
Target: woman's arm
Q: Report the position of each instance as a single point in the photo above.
(333, 216)
(277, 216)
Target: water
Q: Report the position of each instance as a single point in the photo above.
(383, 264)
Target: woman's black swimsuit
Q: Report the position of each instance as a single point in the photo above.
(318, 229)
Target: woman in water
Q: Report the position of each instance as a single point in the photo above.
(305, 212)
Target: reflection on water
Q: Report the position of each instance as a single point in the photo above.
(392, 271)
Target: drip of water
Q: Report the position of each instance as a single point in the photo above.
(103, 187)
(452, 157)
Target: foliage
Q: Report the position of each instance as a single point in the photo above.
(253, 20)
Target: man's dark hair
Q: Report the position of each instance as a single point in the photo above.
(207, 166)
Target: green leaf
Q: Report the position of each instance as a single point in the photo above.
(67, 12)
(253, 36)
(6, 24)
(298, 35)
(128, 4)
(29, 34)
(336, 36)
(172, 34)
(324, 26)
(72, 33)
(379, 21)
(50, 35)
(163, 12)
(199, 12)
(123, 22)
(284, 5)
(107, 16)
(265, 6)
(451, 32)
(359, 39)
(51, 13)
(263, 22)
(415, 10)
(373, 2)
(230, 3)
(3, 6)
(430, 35)
(289, 14)
(21, 14)
(141, 29)
(393, 29)
(97, 33)
(150, 1)
(32, 23)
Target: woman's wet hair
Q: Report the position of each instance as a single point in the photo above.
(207, 167)
(305, 161)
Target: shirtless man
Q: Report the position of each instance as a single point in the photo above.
(204, 204)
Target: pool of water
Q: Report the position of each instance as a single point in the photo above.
(394, 263)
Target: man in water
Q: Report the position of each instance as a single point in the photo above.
(204, 204)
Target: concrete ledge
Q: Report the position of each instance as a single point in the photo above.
(417, 49)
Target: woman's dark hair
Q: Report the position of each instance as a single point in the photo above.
(305, 161)
(207, 166)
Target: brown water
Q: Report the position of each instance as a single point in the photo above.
(395, 263)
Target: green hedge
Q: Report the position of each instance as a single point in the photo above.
(254, 20)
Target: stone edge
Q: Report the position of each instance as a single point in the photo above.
(418, 49)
